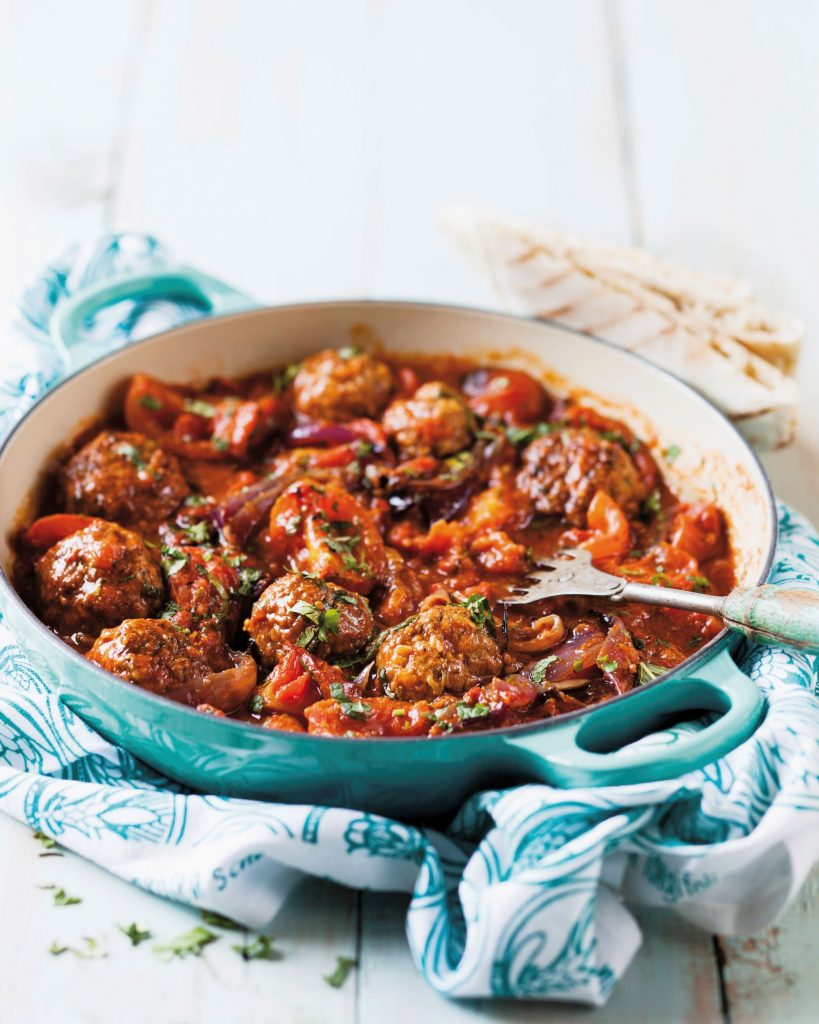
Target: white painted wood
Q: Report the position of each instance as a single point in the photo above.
(65, 71)
(673, 978)
(304, 150)
(723, 104)
(317, 924)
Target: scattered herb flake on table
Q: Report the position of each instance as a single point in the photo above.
(216, 920)
(136, 933)
(188, 944)
(262, 947)
(344, 964)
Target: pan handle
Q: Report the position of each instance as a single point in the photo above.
(68, 321)
(596, 750)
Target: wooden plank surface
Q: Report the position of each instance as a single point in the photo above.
(304, 150)
(723, 101)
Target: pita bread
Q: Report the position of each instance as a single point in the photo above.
(707, 329)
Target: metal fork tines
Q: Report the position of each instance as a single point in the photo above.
(567, 573)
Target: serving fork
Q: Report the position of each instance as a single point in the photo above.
(769, 614)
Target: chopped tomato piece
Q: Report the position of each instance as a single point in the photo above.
(700, 530)
(47, 530)
(508, 395)
(323, 530)
(608, 533)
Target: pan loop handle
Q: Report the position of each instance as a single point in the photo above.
(600, 748)
(181, 283)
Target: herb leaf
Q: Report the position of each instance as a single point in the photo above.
(537, 673)
(607, 664)
(62, 899)
(647, 672)
(671, 452)
(467, 711)
(524, 435)
(262, 947)
(358, 709)
(150, 402)
(217, 920)
(92, 951)
(132, 454)
(344, 964)
(188, 944)
(480, 611)
(652, 505)
(173, 559)
(136, 933)
(47, 841)
(199, 407)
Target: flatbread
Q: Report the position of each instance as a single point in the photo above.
(706, 329)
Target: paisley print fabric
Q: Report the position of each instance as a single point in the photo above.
(526, 895)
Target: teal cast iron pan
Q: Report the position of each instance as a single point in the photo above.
(408, 778)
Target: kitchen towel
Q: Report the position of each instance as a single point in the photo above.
(526, 894)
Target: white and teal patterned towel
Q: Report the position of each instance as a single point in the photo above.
(524, 895)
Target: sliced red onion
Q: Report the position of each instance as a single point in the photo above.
(312, 433)
(238, 516)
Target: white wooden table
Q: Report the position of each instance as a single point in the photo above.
(303, 150)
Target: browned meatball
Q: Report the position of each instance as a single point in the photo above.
(125, 477)
(96, 577)
(157, 656)
(562, 471)
(306, 612)
(441, 650)
(341, 384)
(435, 421)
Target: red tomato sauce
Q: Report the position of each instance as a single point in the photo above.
(326, 548)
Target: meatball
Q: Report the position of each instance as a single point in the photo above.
(96, 577)
(435, 421)
(562, 471)
(441, 650)
(341, 384)
(125, 477)
(157, 656)
(311, 613)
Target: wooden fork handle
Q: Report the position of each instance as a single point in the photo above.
(775, 615)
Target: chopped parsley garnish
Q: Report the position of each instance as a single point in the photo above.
(467, 711)
(195, 500)
(62, 899)
(198, 533)
(173, 559)
(170, 610)
(260, 948)
(221, 444)
(92, 951)
(607, 664)
(256, 705)
(199, 407)
(284, 378)
(700, 583)
(248, 578)
(189, 944)
(132, 454)
(577, 665)
(217, 920)
(344, 964)
(524, 435)
(399, 712)
(46, 841)
(135, 933)
(357, 709)
(480, 612)
(647, 672)
(671, 452)
(348, 351)
(652, 505)
(537, 673)
(150, 402)
(456, 464)
(324, 622)
(659, 579)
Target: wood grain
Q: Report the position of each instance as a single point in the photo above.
(304, 151)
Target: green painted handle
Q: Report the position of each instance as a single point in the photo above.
(67, 324)
(775, 615)
(594, 750)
